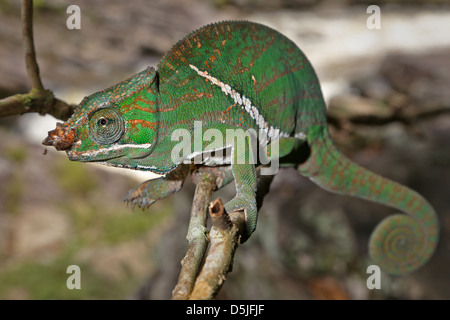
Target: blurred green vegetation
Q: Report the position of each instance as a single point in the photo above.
(100, 226)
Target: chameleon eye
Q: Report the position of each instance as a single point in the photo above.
(106, 126)
(102, 121)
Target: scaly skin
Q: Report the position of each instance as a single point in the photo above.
(238, 75)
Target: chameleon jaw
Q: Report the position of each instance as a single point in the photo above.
(62, 138)
(113, 151)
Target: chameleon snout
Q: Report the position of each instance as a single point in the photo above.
(62, 138)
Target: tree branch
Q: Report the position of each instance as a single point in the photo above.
(28, 45)
(38, 99)
(197, 237)
(224, 236)
(339, 121)
(42, 102)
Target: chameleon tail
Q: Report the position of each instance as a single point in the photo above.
(400, 243)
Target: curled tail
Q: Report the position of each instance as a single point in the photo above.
(400, 243)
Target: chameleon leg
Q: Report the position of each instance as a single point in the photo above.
(224, 176)
(153, 190)
(247, 182)
(245, 199)
(244, 174)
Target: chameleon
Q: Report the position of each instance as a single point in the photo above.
(233, 75)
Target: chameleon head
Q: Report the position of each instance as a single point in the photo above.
(115, 126)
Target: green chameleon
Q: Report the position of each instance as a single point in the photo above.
(238, 75)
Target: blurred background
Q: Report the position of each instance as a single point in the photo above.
(309, 244)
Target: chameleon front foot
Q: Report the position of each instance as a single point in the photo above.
(151, 191)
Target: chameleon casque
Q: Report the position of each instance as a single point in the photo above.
(230, 75)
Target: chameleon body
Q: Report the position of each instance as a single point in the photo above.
(238, 75)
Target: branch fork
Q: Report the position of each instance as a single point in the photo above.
(204, 269)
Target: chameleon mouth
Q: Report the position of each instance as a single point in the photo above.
(110, 152)
(62, 138)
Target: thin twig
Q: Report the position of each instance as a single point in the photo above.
(197, 237)
(28, 45)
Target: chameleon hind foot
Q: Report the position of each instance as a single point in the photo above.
(399, 245)
(251, 213)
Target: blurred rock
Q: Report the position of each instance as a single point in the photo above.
(424, 78)
(416, 81)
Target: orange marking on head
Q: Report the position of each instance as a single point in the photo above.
(148, 105)
(143, 123)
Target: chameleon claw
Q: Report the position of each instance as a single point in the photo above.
(151, 191)
(136, 198)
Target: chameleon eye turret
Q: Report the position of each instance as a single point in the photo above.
(106, 126)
